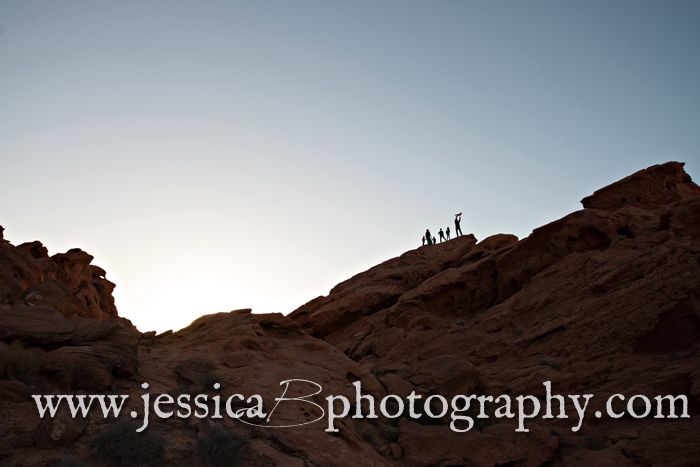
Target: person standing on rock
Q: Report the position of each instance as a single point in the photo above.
(458, 229)
(423, 241)
(447, 231)
(429, 237)
(442, 235)
(434, 241)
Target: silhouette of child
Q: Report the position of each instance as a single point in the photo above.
(448, 233)
(434, 241)
(423, 240)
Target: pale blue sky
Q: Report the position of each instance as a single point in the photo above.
(220, 155)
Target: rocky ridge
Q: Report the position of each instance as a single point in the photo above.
(603, 300)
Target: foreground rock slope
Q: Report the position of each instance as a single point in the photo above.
(603, 301)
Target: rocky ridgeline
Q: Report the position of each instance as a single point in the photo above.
(604, 300)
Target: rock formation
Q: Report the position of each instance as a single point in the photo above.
(66, 282)
(604, 300)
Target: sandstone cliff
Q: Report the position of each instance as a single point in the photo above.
(604, 300)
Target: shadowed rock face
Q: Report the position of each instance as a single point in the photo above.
(605, 300)
(66, 282)
(658, 185)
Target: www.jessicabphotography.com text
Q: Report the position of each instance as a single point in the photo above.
(461, 409)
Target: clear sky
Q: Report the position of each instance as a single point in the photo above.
(222, 155)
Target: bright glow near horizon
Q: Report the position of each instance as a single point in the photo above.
(223, 155)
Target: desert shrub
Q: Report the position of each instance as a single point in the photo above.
(72, 462)
(203, 385)
(390, 432)
(481, 423)
(206, 383)
(120, 445)
(221, 448)
(7, 445)
(365, 432)
(594, 443)
(20, 362)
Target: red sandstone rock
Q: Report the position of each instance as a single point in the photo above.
(657, 185)
(604, 300)
(66, 282)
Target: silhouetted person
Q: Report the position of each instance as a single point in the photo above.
(434, 241)
(423, 240)
(448, 233)
(441, 234)
(428, 237)
(458, 229)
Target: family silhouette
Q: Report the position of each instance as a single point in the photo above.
(429, 239)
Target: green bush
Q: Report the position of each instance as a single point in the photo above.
(221, 448)
(19, 362)
(120, 445)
